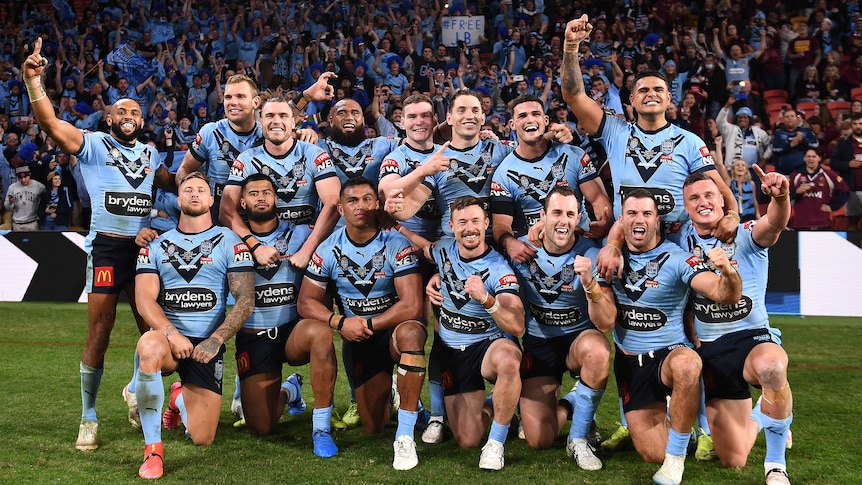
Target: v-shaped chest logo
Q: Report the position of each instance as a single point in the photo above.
(649, 160)
(188, 262)
(134, 171)
(361, 276)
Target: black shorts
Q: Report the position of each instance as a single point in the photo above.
(262, 351)
(461, 368)
(371, 357)
(111, 264)
(546, 357)
(639, 378)
(209, 376)
(724, 360)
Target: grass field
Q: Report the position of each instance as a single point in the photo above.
(40, 401)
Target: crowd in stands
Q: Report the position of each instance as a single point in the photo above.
(758, 81)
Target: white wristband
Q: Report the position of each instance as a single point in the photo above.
(494, 307)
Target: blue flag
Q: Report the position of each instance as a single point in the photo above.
(134, 66)
(62, 8)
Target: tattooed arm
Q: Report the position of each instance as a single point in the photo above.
(589, 112)
(242, 288)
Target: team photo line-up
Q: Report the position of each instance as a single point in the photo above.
(523, 255)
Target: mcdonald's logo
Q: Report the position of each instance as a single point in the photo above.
(103, 276)
(243, 363)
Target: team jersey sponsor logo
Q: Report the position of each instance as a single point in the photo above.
(243, 363)
(664, 200)
(704, 151)
(192, 299)
(144, 256)
(509, 280)
(237, 169)
(128, 204)
(463, 323)
(555, 317)
(640, 319)
(316, 263)
(275, 294)
(103, 276)
(241, 253)
(497, 190)
(368, 307)
(406, 257)
(708, 311)
(388, 167)
(697, 264)
(323, 161)
(301, 214)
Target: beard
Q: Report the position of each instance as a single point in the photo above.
(261, 216)
(348, 139)
(195, 211)
(118, 133)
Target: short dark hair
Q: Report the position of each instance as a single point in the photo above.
(562, 190)
(855, 116)
(650, 73)
(639, 193)
(466, 201)
(356, 182)
(255, 177)
(526, 98)
(463, 92)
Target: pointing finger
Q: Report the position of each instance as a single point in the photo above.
(759, 172)
(443, 148)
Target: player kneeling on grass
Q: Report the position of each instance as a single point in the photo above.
(379, 293)
(182, 284)
(566, 305)
(735, 341)
(274, 334)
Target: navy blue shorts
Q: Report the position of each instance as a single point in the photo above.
(209, 376)
(371, 357)
(261, 351)
(111, 264)
(546, 357)
(639, 378)
(724, 361)
(461, 367)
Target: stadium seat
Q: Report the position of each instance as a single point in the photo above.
(775, 96)
(839, 219)
(836, 106)
(808, 107)
(856, 93)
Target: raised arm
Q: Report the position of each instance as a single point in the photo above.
(768, 229)
(68, 138)
(589, 113)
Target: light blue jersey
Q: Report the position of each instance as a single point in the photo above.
(470, 172)
(519, 186)
(463, 320)
(216, 146)
(120, 180)
(402, 161)
(193, 270)
(362, 160)
(553, 294)
(276, 286)
(711, 319)
(294, 175)
(658, 161)
(652, 296)
(364, 274)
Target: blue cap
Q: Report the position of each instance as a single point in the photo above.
(27, 151)
(651, 39)
(82, 107)
(314, 66)
(395, 58)
(357, 41)
(538, 74)
(745, 111)
(361, 64)
(593, 62)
